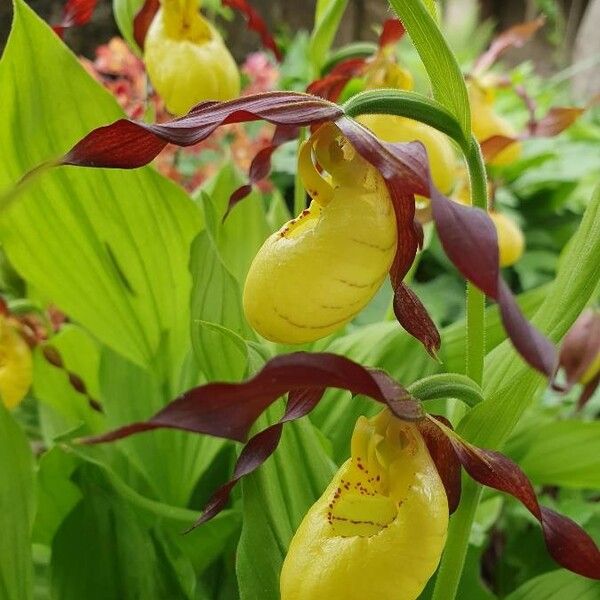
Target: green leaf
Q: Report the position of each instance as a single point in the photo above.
(16, 510)
(328, 17)
(447, 82)
(566, 453)
(509, 384)
(57, 495)
(123, 558)
(171, 461)
(275, 500)
(110, 248)
(124, 12)
(216, 299)
(557, 585)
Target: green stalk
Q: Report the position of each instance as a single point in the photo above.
(453, 560)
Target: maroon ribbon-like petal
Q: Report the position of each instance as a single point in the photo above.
(75, 13)
(228, 410)
(567, 543)
(331, 86)
(128, 144)
(260, 167)
(259, 448)
(514, 37)
(443, 455)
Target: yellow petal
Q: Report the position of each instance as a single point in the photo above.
(321, 268)
(379, 529)
(486, 123)
(188, 62)
(16, 370)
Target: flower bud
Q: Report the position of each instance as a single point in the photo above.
(16, 370)
(320, 269)
(442, 160)
(186, 58)
(379, 529)
(486, 123)
(511, 242)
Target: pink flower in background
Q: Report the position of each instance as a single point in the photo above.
(261, 73)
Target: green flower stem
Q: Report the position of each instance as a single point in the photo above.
(453, 560)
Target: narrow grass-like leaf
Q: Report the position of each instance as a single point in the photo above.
(447, 82)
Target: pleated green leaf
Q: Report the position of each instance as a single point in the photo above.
(557, 585)
(16, 510)
(110, 248)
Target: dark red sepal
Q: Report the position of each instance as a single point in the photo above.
(142, 21)
(75, 13)
(331, 86)
(556, 120)
(260, 167)
(129, 144)
(514, 37)
(468, 237)
(443, 455)
(259, 448)
(393, 31)
(228, 410)
(255, 23)
(567, 543)
(580, 346)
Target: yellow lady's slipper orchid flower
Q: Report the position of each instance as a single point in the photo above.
(511, 241)
(379, 529)
(442, 160)
(186, 58)
(320, 269)
(16, 370)
(486, 123)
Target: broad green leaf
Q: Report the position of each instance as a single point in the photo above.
(57, 495)
(202, 547)
(509, 384)
(566, 453)
(216, 299)
(243, 232)
(327, 21)
(63, 407)
(109, 247)
(124, 12)
(102, 550)
(16, 510)
(447, 82)
(557, 585)
(171, 461)
(275, 499)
